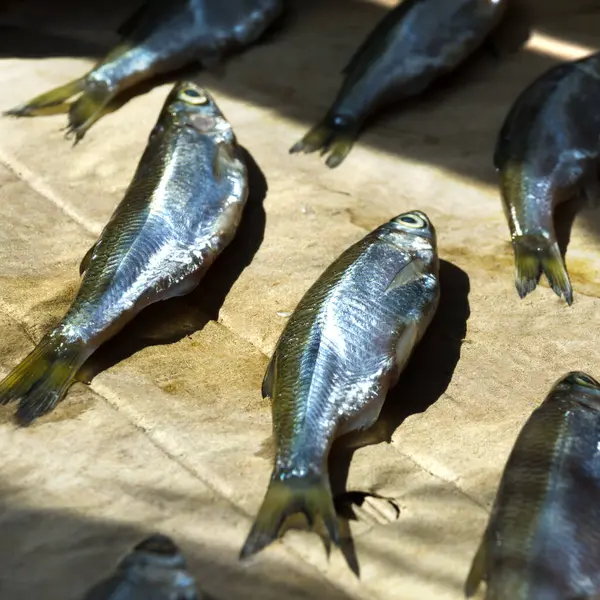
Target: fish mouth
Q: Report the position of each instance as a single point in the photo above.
(587, 388)
(581, 379)
(157, 544)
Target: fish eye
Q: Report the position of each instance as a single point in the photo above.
(412, 220)
(193, 96)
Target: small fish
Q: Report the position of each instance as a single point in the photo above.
(547, 152)
(343, 348)
(410, 48)
(153, 570)
(182, 208)
(159, 38)
(542, 541)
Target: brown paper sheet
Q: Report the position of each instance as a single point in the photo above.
(171, 434)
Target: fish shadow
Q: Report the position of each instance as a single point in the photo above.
(69, 551)
(507, 39)
(564, 217)
(15, 40)
(425, 379)
(22, 41)
(314, 40)
(171, 320)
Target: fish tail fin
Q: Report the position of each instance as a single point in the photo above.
(50, 102)
(88, 108)
(534, 255)
(42, 379)
(334, 135)
(284, 498)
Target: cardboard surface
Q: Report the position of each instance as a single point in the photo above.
(171, 434)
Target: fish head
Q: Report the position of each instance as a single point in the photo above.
(191, 105)
(157, 544)
(580, 387)
(158, 550)
(410, 229)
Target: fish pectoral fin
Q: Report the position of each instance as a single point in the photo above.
(408, 273)
(269, 378)
(478, 571)
(85, 261)
(221, 160)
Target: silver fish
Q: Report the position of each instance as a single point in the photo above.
(343, 348)
(412, 46)
(160, 37)
(547, 152)
(154, 570)
(542, 541)
(181, 210)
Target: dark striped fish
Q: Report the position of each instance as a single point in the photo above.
(411, 47)
(159, 38)
(345, 345)
(543, 538)
(153, 570)
(548, 152)
(180, 211)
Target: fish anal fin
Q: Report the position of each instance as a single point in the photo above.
(269, 378)
(267, 449)
(85, 261)
(478, 571)
(405, 344)
(408, 273)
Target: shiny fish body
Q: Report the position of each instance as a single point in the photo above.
(543, 538)
(548, 152)
(153, 570)
(411, 47)
(180, 211)
(342, 349)
(161, 37)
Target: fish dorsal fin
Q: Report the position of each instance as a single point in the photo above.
(376, 40)
(408, 273)
(478, 571)
(269, 378)
(85, 261)
(148, 15)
